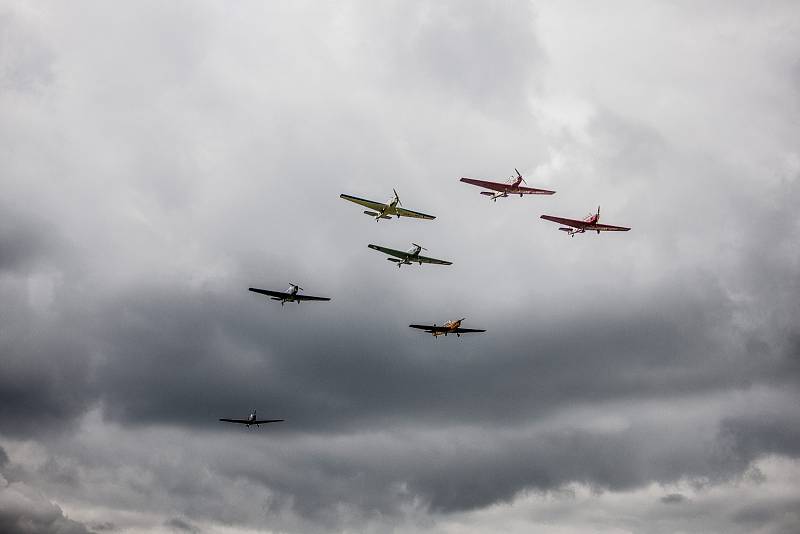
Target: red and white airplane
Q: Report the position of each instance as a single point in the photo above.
(503, 189)
(590, 223)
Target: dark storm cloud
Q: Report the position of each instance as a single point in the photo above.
(35, 517)
(24, 510)
(196, 166)
(767, 433)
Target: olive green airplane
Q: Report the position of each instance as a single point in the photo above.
(385, 211)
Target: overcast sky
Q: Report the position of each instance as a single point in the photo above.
(159, 158)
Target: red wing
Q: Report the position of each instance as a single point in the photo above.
(608, 228)
(496, 186)
(575, 223)
(531, 191)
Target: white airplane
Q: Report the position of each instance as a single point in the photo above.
(450, 327)
(290, 295)
(409, 256)
(385, 211)
(251, 420)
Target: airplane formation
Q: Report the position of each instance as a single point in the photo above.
(393, 208)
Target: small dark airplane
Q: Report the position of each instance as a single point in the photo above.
(504, 189)
(289, 296)
(385, 211)
(410, 256)
(252, 420)
(450, 327)
(590, 223)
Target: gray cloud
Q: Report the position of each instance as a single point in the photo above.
(179, 524)
(673, 498)
(23, 510)
(201, 150)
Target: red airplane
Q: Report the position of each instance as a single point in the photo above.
(504, 189)
(590, 223)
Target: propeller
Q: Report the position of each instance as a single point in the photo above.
(397, 197)
(520, 176)
(420, 246)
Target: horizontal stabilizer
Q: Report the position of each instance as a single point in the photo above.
(394, 260)
(486, 193)
(565, 229)
(371, 213)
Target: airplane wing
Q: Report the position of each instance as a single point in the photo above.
(248, 422)
(430, 328)
(466, 330)
(408, 213)
(499, 186)
(276, 294)
(434, 261)
(371, 204)
(608, 228)
(575, 223)
(390, 251)
(496, 186)
(283, 295)
(309, 297)
(531, 191)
